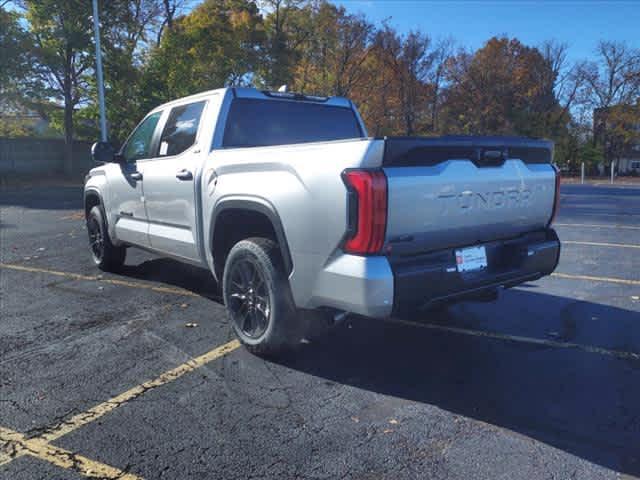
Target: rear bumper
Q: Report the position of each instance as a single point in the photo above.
(356, 284)
(379, 286)
(432, 278)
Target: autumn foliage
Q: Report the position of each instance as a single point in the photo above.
(403, 84)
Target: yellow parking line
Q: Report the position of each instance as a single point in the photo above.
(91, 278)
(597, 225)
(39, 448)
(102, 409)
(600, 244)
(520, 339)
(5, 458)
(591, 278)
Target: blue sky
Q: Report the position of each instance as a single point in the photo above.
(580, 24)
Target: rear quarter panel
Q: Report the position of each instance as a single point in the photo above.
(303, 184)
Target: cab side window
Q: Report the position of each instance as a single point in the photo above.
(180, 131)
(139, 144)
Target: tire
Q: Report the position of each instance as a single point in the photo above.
(104, 254)
(258, 298)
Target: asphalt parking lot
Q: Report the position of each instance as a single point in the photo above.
(137, 375)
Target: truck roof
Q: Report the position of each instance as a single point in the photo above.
(248, 92)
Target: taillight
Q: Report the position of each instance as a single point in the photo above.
(556, 200)
(367, 210)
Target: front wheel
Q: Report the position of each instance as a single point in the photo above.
(104, 254)
(257, 296)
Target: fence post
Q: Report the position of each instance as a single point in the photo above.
(612, 163)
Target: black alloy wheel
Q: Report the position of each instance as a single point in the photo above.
(249, 304)
(96, 240)
(258, 297)
(104, 254)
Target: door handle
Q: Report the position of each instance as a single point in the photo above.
(135, 176)
(184, 174)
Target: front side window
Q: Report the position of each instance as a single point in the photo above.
(181, 128)
(139, 143)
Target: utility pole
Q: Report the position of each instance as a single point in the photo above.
(96, 31)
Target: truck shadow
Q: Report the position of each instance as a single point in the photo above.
(583, 402)
(177, 274)
(587, 404)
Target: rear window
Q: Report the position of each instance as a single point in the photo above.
(259, 123)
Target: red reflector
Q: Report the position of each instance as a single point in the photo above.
(556, 200)
(370, 188)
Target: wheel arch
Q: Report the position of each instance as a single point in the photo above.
(92, 198)
(252, 206)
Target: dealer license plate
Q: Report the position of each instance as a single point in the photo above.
(470, 259)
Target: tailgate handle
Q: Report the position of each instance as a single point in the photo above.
(493, 157)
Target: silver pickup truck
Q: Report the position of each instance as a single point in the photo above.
(299, 214)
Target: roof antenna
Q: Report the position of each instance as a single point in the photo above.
(283, 89)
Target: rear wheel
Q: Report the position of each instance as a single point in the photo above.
(104, 254)
(258, 299)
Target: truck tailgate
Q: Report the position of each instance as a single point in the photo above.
(458, 191)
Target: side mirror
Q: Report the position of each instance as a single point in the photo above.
(104, 152)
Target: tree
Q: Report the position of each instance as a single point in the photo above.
(14, 55)
(437, 78)
(376, 96)
(614, 78)
(62, 40)
(217, 44)
(617, 129)
(565, 80)
(410, 60)
(591, 156)
(167, 12)
(127, 29)
(334, 52)
(387, 75)
(503, 88)
(286, 27)
(614, 89)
